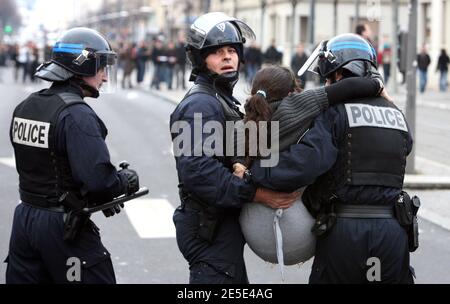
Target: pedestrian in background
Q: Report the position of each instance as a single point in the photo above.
(128, 56)
(442, 66)
(386, 61)
(423, 61)
(141, 59)
(171, 63)
(253, 61)
(180, 68)
(297, 61)
(272, 55)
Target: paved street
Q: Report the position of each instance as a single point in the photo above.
(141, 239)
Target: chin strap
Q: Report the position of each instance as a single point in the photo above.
(226, 80)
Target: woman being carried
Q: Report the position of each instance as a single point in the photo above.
(276, 96)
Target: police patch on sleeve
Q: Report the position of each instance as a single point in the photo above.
(30, 132)
(364, 115)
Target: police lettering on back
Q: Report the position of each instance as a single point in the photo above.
(363, 115)
(30, 132)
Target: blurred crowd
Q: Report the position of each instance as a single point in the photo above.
(159, 61)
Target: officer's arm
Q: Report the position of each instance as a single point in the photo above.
(89, 156)
(302, 163)
(201, 174)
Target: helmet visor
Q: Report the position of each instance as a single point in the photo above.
(312, 62)
(106, 62)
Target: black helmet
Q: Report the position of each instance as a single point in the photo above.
(214, 30)
(348, 51)
(79, 51)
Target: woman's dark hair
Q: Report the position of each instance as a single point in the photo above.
(443, 52)
(276, 82)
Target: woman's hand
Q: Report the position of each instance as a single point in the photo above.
(386, 96)
(239, 170)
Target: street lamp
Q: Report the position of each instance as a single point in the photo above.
(187, 12)
(312, 21)
(294, 5)
(411, 56)
(166, 4)
(263, 9)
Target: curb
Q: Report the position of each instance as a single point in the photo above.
(428, 182)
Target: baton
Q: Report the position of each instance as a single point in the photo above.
(121, 199)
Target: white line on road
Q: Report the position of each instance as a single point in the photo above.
(8, 161)
(132, 95)
(151, 218)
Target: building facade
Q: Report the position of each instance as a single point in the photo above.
(289, 22)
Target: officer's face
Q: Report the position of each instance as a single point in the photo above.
(97, 80)
(335, 77)
(224, 60)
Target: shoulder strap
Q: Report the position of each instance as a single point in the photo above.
(71, 98)
(229, 112)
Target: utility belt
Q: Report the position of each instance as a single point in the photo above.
(59, 209)
(364, 211)
(38, 200)
(404, 211)
(68, 203)
(209, 216)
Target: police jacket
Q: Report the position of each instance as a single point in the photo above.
(59, 145)
(355, 152)
(208, 176)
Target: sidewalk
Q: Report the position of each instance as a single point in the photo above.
(432, 174)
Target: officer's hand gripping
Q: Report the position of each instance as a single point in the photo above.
(133, 186)
(132, 177)
(374, 74)
(275, 199)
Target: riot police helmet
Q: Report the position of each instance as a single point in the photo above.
(347, 51)
(80, 52)
(211, 31)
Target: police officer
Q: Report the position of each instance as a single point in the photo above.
(353, 158)
(64, 165)
(207, 221)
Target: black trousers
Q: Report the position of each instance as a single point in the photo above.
(38, 254)
(360, 251)
(219, 262)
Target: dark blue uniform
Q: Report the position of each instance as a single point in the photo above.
(341, 255)
(210, 180)
(37, 252)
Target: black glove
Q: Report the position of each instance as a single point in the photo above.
(113, 210)
(132, 177)
(133, 180)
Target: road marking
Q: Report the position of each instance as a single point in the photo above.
(8, 161)
(132, 95)
(151, 218)
(435, 218)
